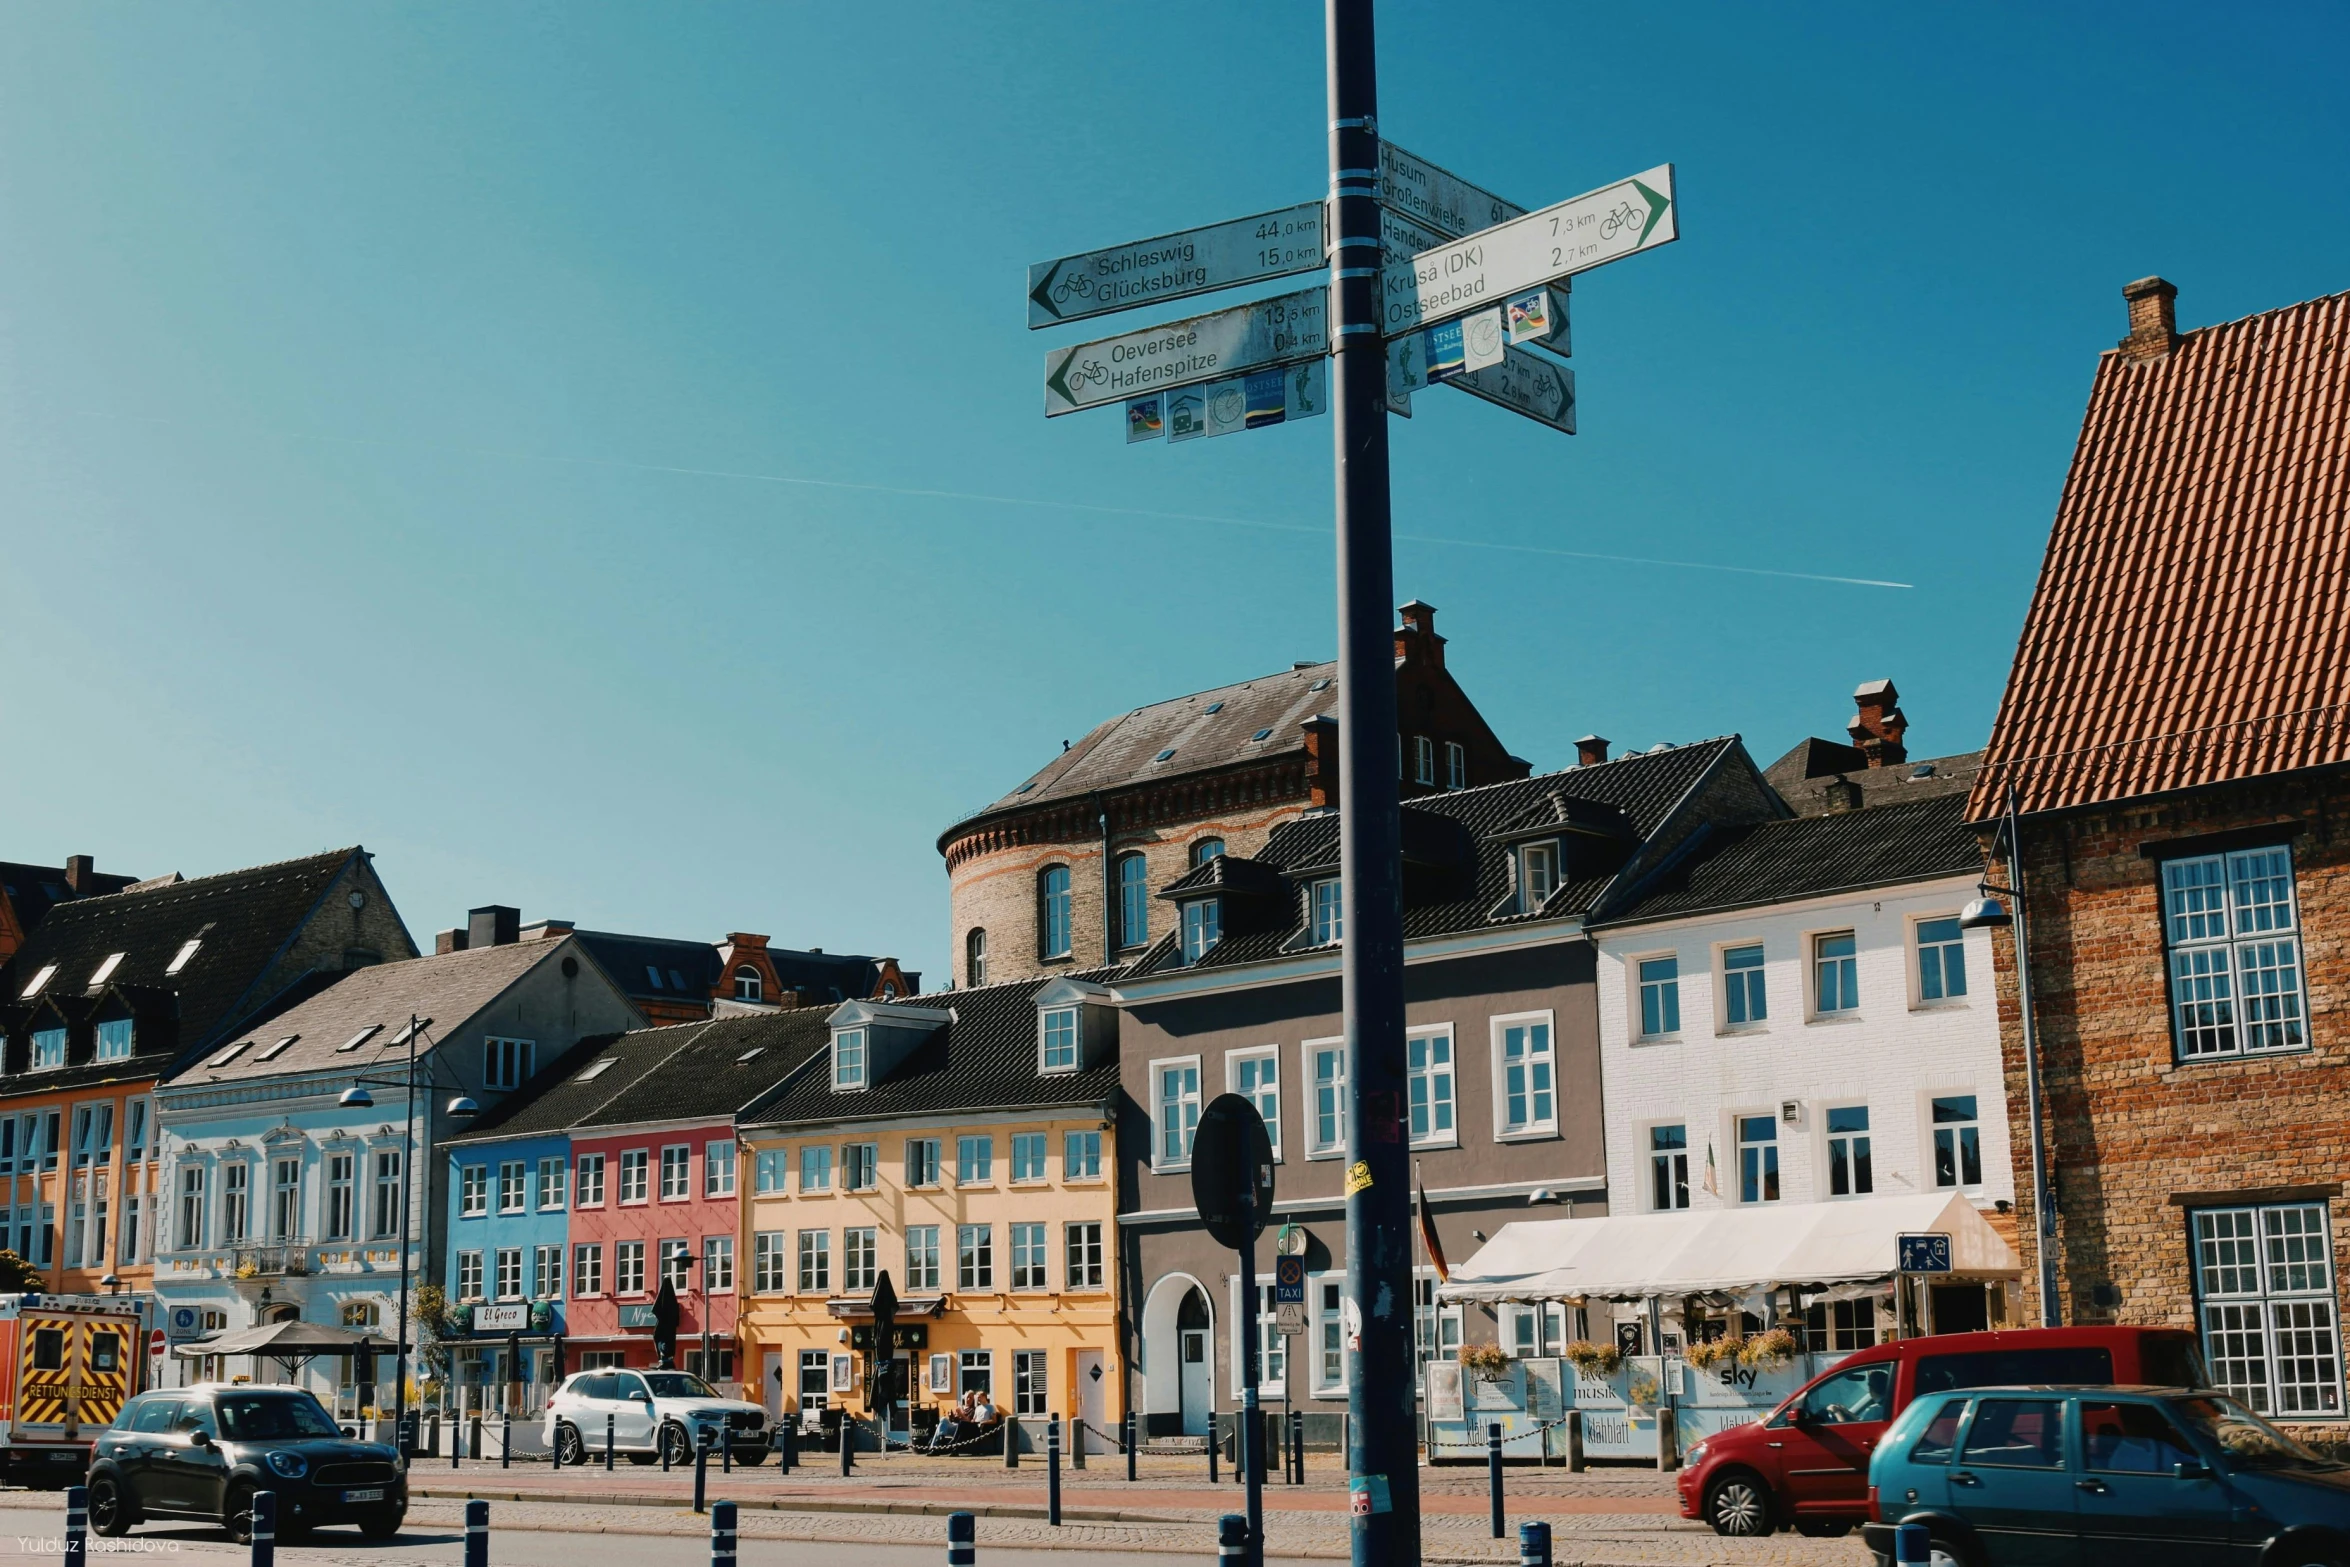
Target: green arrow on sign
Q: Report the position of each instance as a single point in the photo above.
(1058, 380)
(1041, 295)
(1656, 209)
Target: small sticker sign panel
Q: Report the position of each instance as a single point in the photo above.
(1923, 1253)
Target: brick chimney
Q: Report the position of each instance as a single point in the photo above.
(448, 941)
(1591, 750)
(1840, 794)
(492, 925)
(2154, 322)
(81, 874)
(1877, 731)
(1419, 632)
(1321, 733)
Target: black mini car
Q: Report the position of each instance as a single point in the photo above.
(202, 1452)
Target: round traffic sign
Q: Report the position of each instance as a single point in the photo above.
(156, 1343)
(1232, 1171)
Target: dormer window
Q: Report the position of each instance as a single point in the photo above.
(1058, 1044)
(747, 985)
(848, 1059)
(39, 980)
(48, 1048)
(105, 970)
(1328, 911)
(1538, 874)
(1203, 923)
(114, 1040)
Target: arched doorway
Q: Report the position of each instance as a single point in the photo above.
(1178, 1357)
(1195, 1330)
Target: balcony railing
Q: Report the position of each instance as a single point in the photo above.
(270, 1259)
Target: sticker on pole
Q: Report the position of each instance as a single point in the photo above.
(1367, 1494)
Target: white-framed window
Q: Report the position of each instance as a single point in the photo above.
(1668, 1167)
(1326, 1075)
(2264, 1281)
(1428, 1066)
(718, 1168)
(771, 1172)
(718, 1264)
(1057, 1040)
(235, 1211)
(473, 1191)
(635, 1164)
(552, 1174)
(815, 1261)
(513, 1186)
(1533, 1331)
(922, 1256)
(190, 1234)
(1456, 765)
(1174, 1111)
(507, 1063)
(1958, 1140)
(1758, 1158)
(816, 1378)
(1423, 759)
(1745, 998)
(1028, 1256)
(1660, 996)
(815, 1168)
(975, 957)
(1272, 1347)
(1851, 1171)
(676, 1263)
(860, 1167)
(388, 1212)
(848, 1060)
(677, 1163)
(1134, 900)
(1028, 1381)
(628, 1268)
(1204, 850)
(1941, 960)
(48, 1048)
(587, 1269)
(1081, 1156)
(975, 1256)
(1525, 1076)
(1835, 973)
(748, 986)
(546, 1276)
(1052, 912)
(922, 1161)
(469, 1275)
(1538, 874)
(1027, 1157)
(2231, 922)
(341, 1197)
(590, 1171)
(1255, 1075)
(974, 1160)
(860, 1257)
(1329, 915)
(1324, 1292)
(114, 1040)
(975, 1371)
(770, 1263)
(1082, 1254)
(1203, 926)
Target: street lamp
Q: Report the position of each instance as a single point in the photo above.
(459, 1108)
(1987, 912)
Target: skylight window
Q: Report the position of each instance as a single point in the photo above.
(278, 1049)
(1163, 755)
(676, 980)
(654, 975)
(416, 1025)
(1024, 788)
(1262, 734)
(179, 959)
(751, 1054)
(39, 980)
(1215, 707)
(595, 1070)
(1322, 684)
(230, 1054)
(360, 1038)
(113, 961)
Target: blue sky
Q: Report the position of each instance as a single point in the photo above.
(592, 455)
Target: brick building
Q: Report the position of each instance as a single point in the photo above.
(2174, 738)
(1059, 874)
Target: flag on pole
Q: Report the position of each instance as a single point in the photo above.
(1428, 1239)
(1713, 1188)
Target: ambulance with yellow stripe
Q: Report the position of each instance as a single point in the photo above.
(67, 1364)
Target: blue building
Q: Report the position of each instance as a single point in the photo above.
(511, 1185)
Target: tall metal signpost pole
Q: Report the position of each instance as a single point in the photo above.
(1382, 1459)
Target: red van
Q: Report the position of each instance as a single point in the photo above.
(1806, 1464)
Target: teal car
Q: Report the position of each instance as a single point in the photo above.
(2080, 1477)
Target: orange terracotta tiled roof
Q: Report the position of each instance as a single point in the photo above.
(2192, 620)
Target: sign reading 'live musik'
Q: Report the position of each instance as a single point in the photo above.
(1582, 232)
(1273, 331)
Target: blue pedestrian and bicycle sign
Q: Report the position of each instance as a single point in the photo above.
(1923, 1253)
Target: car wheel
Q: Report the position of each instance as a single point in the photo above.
(237, 1514)
(1942, 1551)
(1739, 1505)
(676, 1446)
(380, 1526)
(110, 1509)
(570, 1445)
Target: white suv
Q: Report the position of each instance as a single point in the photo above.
(648, 1413)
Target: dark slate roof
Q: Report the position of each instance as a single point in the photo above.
(563, 1095)
(1806, 777)
(153, 1014)
(843, 976)
(708, 1078)
(1123, 751)
(983, 1060)
(246, 918)
(1645, 786)
(33, 890)
(1812, 856)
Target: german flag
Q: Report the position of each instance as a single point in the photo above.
(1429, 1240)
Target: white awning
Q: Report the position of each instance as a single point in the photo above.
(1729, 1251)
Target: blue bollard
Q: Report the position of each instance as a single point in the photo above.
(702, 1471)
(1127, 1432)
(722, 1534)
(77, 1525)
(962, 1540)
(1052, 1481)
(506, 1441)
(264, 1528)
(1211, 1447)
(1232, 1540)
(608, 1444)
(477, 1534)
(1493, 1472)
(1912, 1544)
(1534, 1545)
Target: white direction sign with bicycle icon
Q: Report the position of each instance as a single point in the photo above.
(1196, 261)
(1214, 347)
(1479, 270)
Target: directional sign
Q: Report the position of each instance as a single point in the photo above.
(1578, 234)
(1923, 1253)
(1289, 1280)
(1401, 238)
(1196, 261)
(1216, 347)
(1528, 384)
(1418, 189)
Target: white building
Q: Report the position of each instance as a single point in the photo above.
(1791, 1014)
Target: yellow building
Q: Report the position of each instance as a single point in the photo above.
(961, 1144)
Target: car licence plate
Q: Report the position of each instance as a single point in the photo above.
(374, 1493)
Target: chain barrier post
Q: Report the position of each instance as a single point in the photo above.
(506, 1440)
(264, 1529)
(702, 1472)
(1052, 1474)
(1576, 1464)
(557, 1450)
(1493, 1471)
(1076, 1441)
(456, 1439)
(726, 1449)
(788, 1451)
(1010, 1426)
(1231, 1540)
(962, 1540)
(848, 1443)
(722, 1534)
(1211, 1447)
(608, 1419)
(661, 1440)
(1297, 1446)
(477, 1534)
(1534, 1545)
(1130, 1432)
(77, 1525)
